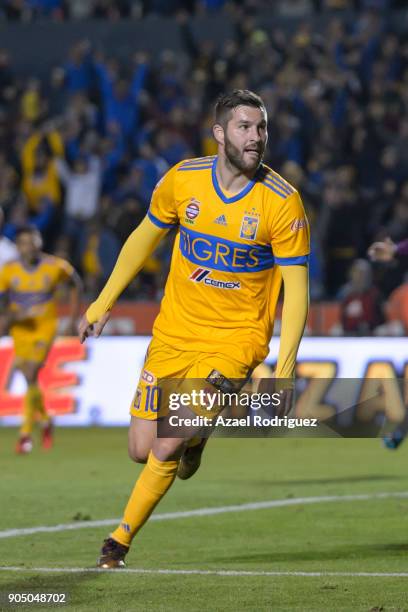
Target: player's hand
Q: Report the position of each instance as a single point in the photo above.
(285, 390)
(86, 329)
(286, 403)
(382, 251)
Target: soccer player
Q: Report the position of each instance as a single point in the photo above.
(386, 251)
(241, 231)
(28, 312)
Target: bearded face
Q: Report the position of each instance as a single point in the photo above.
(245, 138)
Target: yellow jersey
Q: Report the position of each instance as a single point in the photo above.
(224, 279)
(33, 289)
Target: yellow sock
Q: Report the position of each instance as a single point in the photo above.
(154, 481)
(38, 403)
(28, 411)
(40, 406)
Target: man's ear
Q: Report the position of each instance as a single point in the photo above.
(218, 132)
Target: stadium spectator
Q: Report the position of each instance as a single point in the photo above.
(82, 186)
(397, 309)
(32, 105)
(39, 172)
(397, 227)
(98, 251)
(8, 84)
(360, 301)
(78, 69)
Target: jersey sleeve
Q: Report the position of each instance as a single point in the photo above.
(162, 210)
(290, 235)
(65, 270)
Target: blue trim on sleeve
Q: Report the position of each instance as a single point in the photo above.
(275, 189)
(159, 223)
(290, 261)
(280, 183)
(186, 169)
(270, 181)
(198, 161)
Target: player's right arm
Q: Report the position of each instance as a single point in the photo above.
(7, 316)
(139, 246)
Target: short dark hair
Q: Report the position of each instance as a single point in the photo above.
(238, 97)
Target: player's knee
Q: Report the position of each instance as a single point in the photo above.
(31, 379)
(168, 449)
(30, 373)
(138, 452)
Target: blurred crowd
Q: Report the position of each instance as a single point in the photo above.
(81, 151)
(61, 10)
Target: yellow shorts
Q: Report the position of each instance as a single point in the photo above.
(183, 371)
(32, 344)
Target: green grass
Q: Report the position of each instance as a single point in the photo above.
(88, 474)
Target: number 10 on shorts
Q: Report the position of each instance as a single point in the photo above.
(152, 401)
(148, 398)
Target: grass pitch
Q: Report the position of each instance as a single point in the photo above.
(88, 477)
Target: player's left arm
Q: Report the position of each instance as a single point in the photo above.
(294, 315)
(291, 247)
(69, 277)
(75, 294)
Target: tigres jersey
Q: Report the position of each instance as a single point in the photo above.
(33, 289)
(224, 280)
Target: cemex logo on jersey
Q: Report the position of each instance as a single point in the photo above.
(202, 275)
(192, 211)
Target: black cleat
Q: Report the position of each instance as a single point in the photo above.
(112, 555)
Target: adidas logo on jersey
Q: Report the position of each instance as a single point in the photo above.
(221, 220)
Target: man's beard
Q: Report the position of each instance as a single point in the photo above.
(236, 158)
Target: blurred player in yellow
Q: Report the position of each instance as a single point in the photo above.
(28, 287)
(241, 231)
